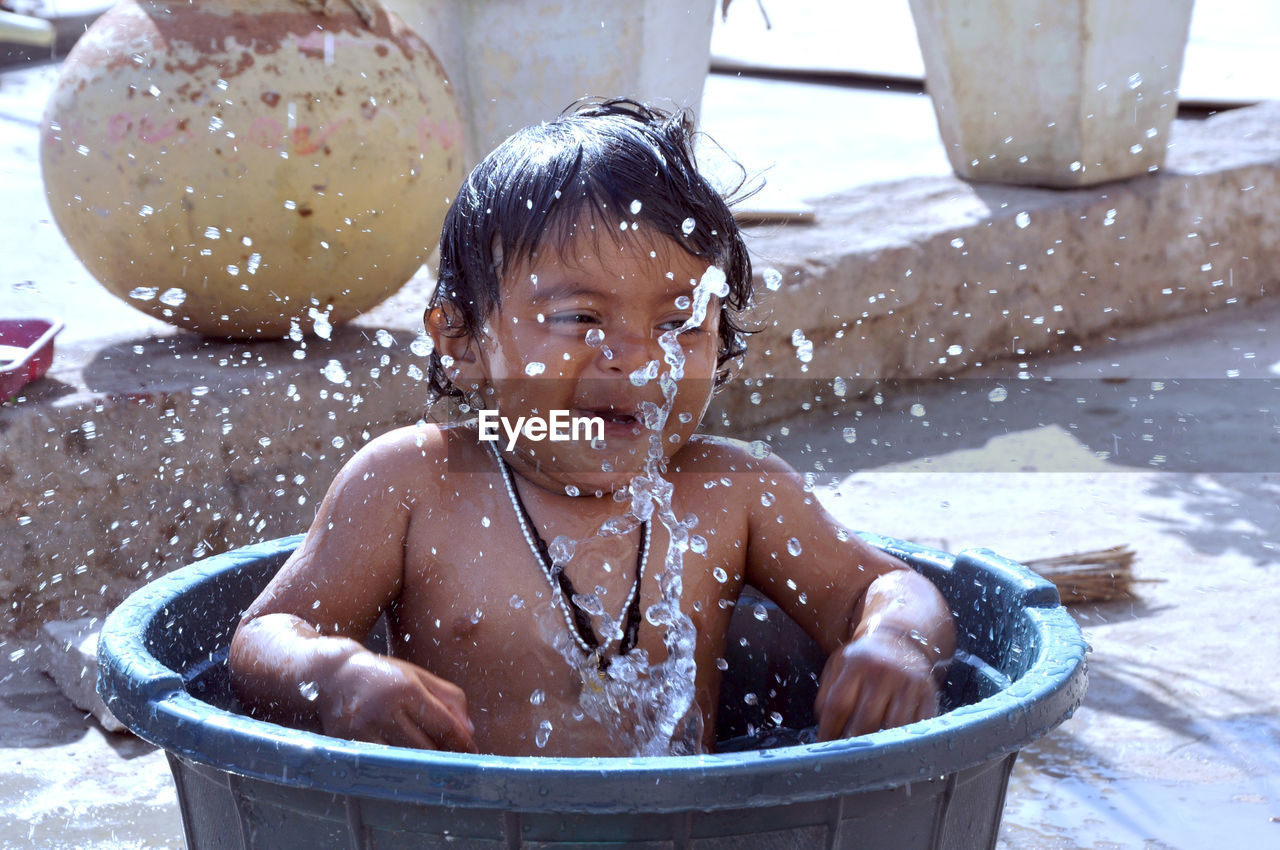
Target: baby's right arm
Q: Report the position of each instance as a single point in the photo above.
(297, 655)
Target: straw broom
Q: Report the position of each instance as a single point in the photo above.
(1101, 575)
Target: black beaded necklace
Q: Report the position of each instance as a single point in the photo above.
(576, 619)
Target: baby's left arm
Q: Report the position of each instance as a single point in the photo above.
(887, 629)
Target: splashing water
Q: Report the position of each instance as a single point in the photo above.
(649, 707)
(334, 372)
(422, 345)
(803, 346)
(320, 321)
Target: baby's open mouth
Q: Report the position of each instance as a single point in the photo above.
(620, 418)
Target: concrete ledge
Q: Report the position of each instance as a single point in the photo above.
(930, 277)
(174, 448)
(70, 19)
(142, 455)
(68, 652)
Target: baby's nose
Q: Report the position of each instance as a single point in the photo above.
(625, 350)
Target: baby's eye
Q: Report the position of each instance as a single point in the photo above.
(679, 325)
(574, 318)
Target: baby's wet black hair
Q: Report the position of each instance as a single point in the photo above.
(593, 163)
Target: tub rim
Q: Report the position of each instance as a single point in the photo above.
(151, 700)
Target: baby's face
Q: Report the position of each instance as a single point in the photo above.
(576, 322)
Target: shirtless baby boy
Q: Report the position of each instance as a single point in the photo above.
(587, 271)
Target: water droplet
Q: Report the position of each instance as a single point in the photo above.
(793, 547)
(683, 302)
(589, 602)
(309, 690)
(760, 613)
(839, 387)
(320, 322)
(173, 297)
(334, 372)
(997, 395)
(143, 293)
(772, 279)
(544, 732)
(698, 544)
(538, 697)
(1135, 80)
(561, 549)
(751, 698)
(516, 602)
(957, 242)
(851, 435)
(644, 374)
(714, 281)
(422, 345)
(535, 368)
(720, 575)
(766, 498)
(595, 337)
(635, 207)
(804, 347)
(1023, 220)
(917, 410)
(759, 449)
(955, 351)
(721, 664)
(687, 226)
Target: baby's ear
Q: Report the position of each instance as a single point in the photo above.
(448, 332)
(444, 321)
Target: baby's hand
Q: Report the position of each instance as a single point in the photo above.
(385, 700)
(879, 681)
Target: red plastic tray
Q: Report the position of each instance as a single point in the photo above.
(26, 350)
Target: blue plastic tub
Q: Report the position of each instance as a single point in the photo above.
(936, 784)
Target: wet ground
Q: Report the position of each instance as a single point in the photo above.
(1176, 744)
(65, 782)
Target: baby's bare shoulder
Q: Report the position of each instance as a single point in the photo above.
(707, 454)
(404, 450)
(412, 459)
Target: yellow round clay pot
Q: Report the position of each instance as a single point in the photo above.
(245, 167)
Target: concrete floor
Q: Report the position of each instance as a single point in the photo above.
(1176, 743)
(1175, 746)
